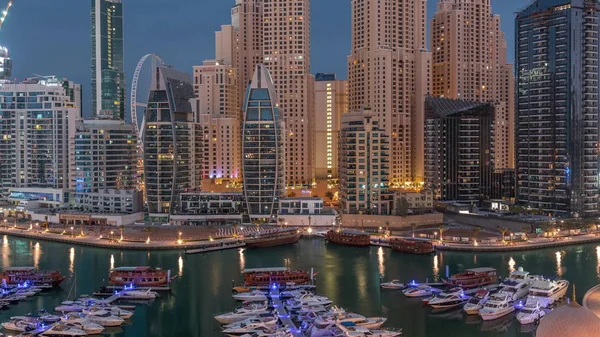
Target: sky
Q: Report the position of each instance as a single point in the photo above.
(52, 37)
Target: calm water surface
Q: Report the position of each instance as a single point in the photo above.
(347, 275)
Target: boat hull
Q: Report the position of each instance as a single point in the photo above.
(418, 294)
(273, 242)
(472, 309)
(531, 318)
(348, 239)
(447, 305)
(490, 316)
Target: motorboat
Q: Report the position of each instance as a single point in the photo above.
(365, 322)
(70, 306)
(393, 284)
(531, 312)
(352, 330)
(115, 311)
(63, 330)
(517, 284)
(249, 328)
(104, 318)
(419, 291)
(449, 299)
(314, 299)
(267, 319)
(427, 299)
(253, 296)
(497, 306)
(41, 316)
(80, 321)
(138, 294)
(476, 302)
(242, 313)
(331, 318)
(546, 292)
(19, 325)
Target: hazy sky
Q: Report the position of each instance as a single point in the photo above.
(51, 37)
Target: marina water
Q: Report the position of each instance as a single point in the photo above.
(347, 275)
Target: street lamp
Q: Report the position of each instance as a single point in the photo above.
(179, 241)
(111, 234)
(72, 231)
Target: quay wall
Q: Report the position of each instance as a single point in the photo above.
(396, 222)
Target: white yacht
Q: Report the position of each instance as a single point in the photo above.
(531, 312)
(393, 284)
(62, 330)
(476, 302)
(351, 330)
(138, 294)
(253, 296)
(19, 325)
(517, 284)
(314, 299)
(249, 328)
(81, 322)
(69, 306)
(419, 291)
(497, 306)
(242, 313)
(546, 292)
(115, 311)
(328, 319)
(449, 299)
(267, 319)
(104, 318)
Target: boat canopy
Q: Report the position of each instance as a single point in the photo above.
(481, 270)
(145, 268)
(19, 268)
(265, 270)
(346, 323)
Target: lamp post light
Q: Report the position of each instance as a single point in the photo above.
(111, 234)
(72, 231)
(179, 241)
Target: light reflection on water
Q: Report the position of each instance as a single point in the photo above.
(559, 268)
(112, 261)
(511, 265)
(37, 253)
(5, 252)
(180, 265)
(72, 259)
(242, 259)
(381, 261)
(436, 269)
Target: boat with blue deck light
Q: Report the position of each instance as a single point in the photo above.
(393, 284)
(547, 291)
(531, 312)
(497, 306)
(517, 284)
(449, 299)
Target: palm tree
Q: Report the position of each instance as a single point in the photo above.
(281, 222)
(257, 223)
(413, 226)
(526, 230)
(387, 226)
(121, 228)
(476, 232)
(442, 229)
(235, 229)
(329, 195)
(46, 221)
(503, 231)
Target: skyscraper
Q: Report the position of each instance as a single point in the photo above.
(172, 142)
(469, 62)
(388, 72)
(216, 107)
(37, 120)
(263, 149)
(5, 65)
(108, 76)
(331, 102)
(364, 163)
(286, 52)
(459, 148)
(557, 106)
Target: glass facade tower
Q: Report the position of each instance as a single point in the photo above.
(108, 77)
(557, 126)
(262, 148)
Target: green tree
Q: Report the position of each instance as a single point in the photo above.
(401, 207)
(503, 231)
(46, 225)
(476, 231)
(329, 195)
(281, 221)
(442, 229)
(387, 226)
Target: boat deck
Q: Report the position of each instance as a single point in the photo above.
(163, 288)
(215, 248)
(283, 314)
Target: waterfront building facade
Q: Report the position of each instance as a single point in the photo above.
(37, 119)
(172, 141)
(364, 164)
(459, 149)
(210, 209)
(331, 102)
(557, 107)
(388, 72)
(108, 76)
(469, 62)
(263, 148)
(103, 167)
(417, 202)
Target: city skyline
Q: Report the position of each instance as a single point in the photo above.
(330, 38)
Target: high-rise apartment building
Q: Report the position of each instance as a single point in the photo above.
(172, 141)
(331, 102)
(108, 76)
(364, 163)
(263, 149)
(217, 109)
(286, 51)
(5, 65)
(388, 72)
(469, 62)
(557, 107)
(103, 169)
(459, 149)
(37, 119)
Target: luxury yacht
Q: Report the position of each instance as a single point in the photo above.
(80, 321)
(449, 299)
(546, 292)
(419, 291)
(476, 302)
(531, 312)
(115, 311)
(242, 313)
(497, 306)
(253, 296)
(517, 284)
(62, 330)
(104, 318)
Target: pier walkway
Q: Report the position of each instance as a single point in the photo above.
(591, 300)
(282, 313)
